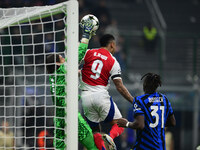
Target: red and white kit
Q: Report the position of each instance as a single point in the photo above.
(99, 66)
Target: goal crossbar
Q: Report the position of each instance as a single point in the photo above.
(9, 17)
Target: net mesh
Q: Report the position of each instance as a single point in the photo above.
(27, 111)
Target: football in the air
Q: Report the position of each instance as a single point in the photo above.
(94, 20)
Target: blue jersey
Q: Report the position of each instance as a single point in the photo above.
(155, 108)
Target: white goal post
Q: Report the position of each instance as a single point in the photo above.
(27, 111)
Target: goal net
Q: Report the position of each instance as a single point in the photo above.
(35, 112)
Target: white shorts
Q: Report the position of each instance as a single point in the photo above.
(99, 106)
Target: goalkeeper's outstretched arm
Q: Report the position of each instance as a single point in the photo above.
(87, 34)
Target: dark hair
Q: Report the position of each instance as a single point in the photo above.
(51, 62)
(151, 82)
(106, 39)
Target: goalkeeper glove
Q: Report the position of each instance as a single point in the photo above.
(87, 29)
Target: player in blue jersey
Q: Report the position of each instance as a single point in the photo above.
(152, 113)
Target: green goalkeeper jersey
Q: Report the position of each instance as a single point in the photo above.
(57, 88)
(58, 82)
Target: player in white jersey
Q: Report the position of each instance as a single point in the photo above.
(99, 66)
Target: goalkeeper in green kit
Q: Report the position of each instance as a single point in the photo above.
(55, 64)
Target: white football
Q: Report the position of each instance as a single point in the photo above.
(94, 20)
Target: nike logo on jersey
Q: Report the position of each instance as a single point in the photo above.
(100, 55)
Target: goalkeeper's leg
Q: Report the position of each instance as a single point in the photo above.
(85, 134)
(88, 142)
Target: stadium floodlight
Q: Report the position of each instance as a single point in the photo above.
(27, 36)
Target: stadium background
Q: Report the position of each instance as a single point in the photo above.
(176, 57)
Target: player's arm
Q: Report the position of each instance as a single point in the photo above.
(171, 121)
(138, 122)
(116, 77)
(122, 89)
(82, 50)
(87, 34)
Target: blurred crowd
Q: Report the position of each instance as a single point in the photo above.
(6, 136)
